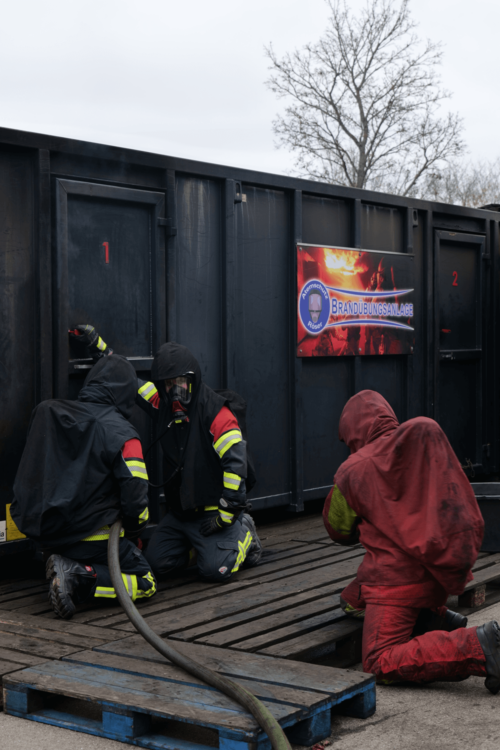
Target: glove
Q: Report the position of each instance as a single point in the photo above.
(211, 526)
(88, 336)
(222, 521)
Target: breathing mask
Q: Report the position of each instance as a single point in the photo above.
(179, 392)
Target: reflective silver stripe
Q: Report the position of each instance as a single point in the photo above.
(222, 444)
(147, 391)
(230, 483)
(129, 584)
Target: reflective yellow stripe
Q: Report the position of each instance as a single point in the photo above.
(100, 344)
(226, 441)
(130, 582)
(226, 516)
(211, 507)
(243, 546)
(144, 515)
(102, 591)
(135, 463)
(147, 391)
(140, 474)
(341, 516)
(231, 481)
(100, 535)
(149, 592)
(137, 468)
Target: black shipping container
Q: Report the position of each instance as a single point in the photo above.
(151, 248)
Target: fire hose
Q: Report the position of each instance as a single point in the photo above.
(244, 697)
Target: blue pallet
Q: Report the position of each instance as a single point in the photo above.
(131, 692)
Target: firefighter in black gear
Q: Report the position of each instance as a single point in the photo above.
(205, 470)
(82, 469)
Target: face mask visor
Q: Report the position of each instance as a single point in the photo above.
(180, 389)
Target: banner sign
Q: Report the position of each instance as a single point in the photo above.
(353, 302)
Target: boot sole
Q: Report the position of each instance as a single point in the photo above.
(61, 603)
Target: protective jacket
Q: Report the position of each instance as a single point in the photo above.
(82, 467)
(405, 492)
(205, 458)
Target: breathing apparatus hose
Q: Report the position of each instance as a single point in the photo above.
(245, 698)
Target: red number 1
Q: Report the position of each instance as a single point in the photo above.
(106, 251)
(455, 277)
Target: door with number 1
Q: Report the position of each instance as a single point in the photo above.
(110, 273)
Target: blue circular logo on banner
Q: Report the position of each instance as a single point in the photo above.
(314, 306)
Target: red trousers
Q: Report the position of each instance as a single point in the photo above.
(389, 650)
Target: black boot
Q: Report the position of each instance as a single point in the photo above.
(255, 552)
(489, 638)
(428, 620)
(70, 584)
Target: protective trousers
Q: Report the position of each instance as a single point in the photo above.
(136, 573)
(389, 650)
(218, 556)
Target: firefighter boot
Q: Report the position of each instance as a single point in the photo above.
(70, 584)
(489, 638)
(255, 552)
(428, 620)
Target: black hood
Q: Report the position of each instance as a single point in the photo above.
(172, 360)
(111, 381)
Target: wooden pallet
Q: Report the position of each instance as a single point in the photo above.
(286, 607)
(29, 641)
(143, 699)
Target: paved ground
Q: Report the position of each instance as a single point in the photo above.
(441, 716)
(438, 717)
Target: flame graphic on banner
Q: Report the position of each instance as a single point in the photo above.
(344, 261)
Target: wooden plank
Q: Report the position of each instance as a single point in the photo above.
(238, 664)
(168, 671)
(6, 667)
(59, 626)
(176, 619)
(271, 615)
(54, 636)
(38, 646)
(318, 643)
(485, 575)
(239, 595)
(22, 585)
(26, 660)
(19, 598)
(282, 529)
(39, 599)
(268, 637)
(201, 705)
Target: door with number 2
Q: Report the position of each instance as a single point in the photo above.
(459, 290)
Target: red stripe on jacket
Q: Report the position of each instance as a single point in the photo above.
(132, 449)
(223, 422)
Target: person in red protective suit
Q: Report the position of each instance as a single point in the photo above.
(404, 496)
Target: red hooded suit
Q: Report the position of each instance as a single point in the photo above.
(404, 491)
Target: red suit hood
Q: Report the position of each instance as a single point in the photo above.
(407, 486)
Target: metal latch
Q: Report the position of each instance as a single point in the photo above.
(170, 230)
(239, 195)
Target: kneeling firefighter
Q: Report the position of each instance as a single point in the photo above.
(83, 469)
(403, 494)
(205, 468)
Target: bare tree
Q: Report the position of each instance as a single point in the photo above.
(464, 183)
(363, 101)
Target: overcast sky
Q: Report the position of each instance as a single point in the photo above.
(186, 77)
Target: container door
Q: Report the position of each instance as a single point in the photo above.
(460, 357)
(109, 273)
